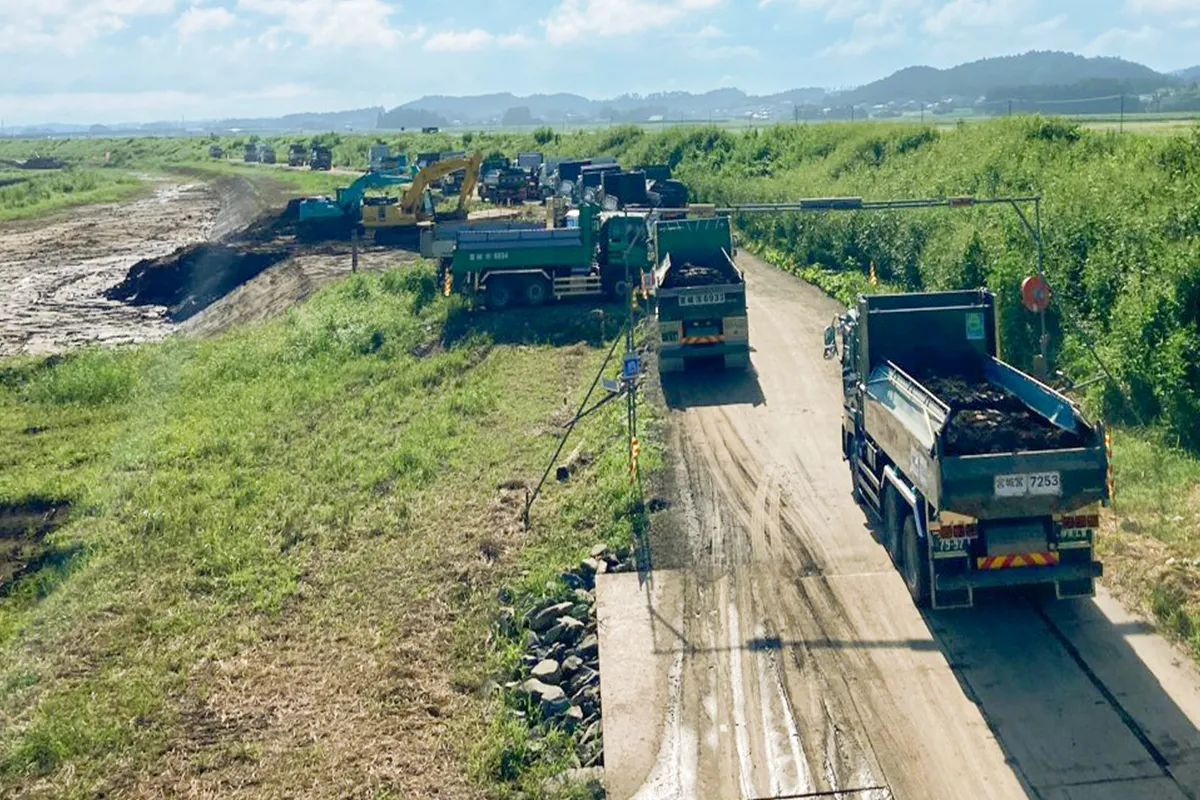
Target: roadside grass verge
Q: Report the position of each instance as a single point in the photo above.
(285, 547)
(1151, 542)
(30, 193)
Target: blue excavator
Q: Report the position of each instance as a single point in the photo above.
(336, 217)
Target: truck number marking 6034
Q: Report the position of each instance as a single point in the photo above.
(1032, 483)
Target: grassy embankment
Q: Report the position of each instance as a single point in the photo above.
(284, 547)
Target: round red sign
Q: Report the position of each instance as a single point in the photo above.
(1036, 293)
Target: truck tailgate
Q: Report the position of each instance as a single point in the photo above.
(1023, 483)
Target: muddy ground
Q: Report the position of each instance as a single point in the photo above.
(213, 253)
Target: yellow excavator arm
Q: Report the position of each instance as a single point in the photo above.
(410, 201)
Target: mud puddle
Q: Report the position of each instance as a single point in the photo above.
(23, 530)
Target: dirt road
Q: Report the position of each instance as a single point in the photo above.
(772, 651)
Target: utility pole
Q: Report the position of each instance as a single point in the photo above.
(1122, 128)
(1010, 108)
(922, 112)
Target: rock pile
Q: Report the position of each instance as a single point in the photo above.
(560, 671)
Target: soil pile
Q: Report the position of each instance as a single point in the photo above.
(192, 278)
(688, 274)
(986, 419)
(269, 227)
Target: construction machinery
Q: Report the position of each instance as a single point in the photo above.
(398, 219)
(982, 476)
(336, 217)
(297, 155)
(700, 295)
(597, 254)
(322, 158)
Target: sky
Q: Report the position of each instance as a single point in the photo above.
(108, 61)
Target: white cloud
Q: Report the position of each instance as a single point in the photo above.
(475, 39)
(711, 32)
(67, 26)
(878, 29)
(960, 14)
(197, 20)
(459, 41)
(573, 20)
(1122, 41)
(330, 23)
(1163, 6)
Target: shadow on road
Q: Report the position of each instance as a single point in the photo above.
(712, 386)
(1075, 709)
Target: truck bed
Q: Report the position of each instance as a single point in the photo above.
(988, 419)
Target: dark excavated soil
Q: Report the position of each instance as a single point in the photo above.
(688, 275)
(192, 278)
(986, 419)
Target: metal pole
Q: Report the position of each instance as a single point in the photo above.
(354, 250)
(1122, 129)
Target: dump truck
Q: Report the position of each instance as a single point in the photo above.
(981, 475)
(297, 155)
(266, 154)
(588, 258)
(700, 295)
(322, 158)
(250, 155)
(216, 151)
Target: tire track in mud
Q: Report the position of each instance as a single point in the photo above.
(775, 754)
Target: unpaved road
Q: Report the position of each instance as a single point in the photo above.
(772, 650)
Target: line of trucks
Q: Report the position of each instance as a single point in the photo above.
(980, 475)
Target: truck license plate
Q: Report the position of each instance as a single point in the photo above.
(1029, 483)
(706, 299)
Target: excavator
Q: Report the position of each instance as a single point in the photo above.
(397, 220)
(335, 217)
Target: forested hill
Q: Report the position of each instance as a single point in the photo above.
(980, 78)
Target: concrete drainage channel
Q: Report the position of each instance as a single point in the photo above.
(558, 682)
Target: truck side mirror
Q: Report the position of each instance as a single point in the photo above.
(830, 342)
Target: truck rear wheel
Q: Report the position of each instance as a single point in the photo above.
(893, 521)
(916, 566)
(619, 290)
(499, 294)
(536, 291)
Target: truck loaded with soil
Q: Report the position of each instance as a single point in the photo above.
(982, 475)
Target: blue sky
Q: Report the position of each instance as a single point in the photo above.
(129, 60)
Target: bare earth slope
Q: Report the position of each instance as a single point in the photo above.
(773, 651)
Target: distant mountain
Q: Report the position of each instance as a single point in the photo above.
(550, 108)
(979, 78)
(358, 120)
(1189, 74)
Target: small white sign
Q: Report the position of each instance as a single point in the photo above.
(1029, 484)
(706, 299)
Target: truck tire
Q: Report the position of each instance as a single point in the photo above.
(499, 294)
(618, 290)
(893, 522)
(916, 566)
(537, 291)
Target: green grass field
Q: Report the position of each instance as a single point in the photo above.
(284, 548)
(30, 193)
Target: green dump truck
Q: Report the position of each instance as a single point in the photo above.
(700, 294)
(981, 475)
(585, 259)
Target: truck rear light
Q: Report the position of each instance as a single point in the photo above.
(958, 531)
